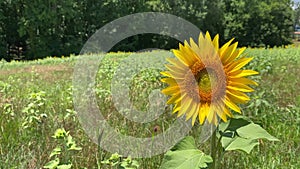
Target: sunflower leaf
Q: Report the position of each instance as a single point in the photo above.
(185, 144)
(241, 133)
(254, 131)
(185, 155)
(185, 159)
(239, 143)
(234, 123)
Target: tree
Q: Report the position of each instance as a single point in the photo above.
(256, 23)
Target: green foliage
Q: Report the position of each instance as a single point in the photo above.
(240, 133)
(37, 29)
(259, 23)
(62, 153)
(34, 109)
(116, 161)
(185, 155)
(278, 86)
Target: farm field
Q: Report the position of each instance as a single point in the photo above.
(36, 100)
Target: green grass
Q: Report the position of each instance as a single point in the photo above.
(25, 136)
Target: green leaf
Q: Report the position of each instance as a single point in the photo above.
(234, 123)
(60, 134)
(185, 159)
(254, 131)
(185, 144)
(71, 144)
(239, 143)
(55, 151)
(64, 166)
(185, 155)
(52, 164)
(240, 133)
(75, 148)
(105, 162)
(115, 156)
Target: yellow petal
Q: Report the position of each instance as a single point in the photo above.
(175, 69)
(239, 64)
(243, 73)
(170, 90)
(216, 42)
(215, 119)
(195, 48)
(181, 56)
(227, 112)
(170, 81)
(185, 54)
(185, 104)
(167, 74)
(190, 53)
(207, 36)
(174, 74)
(191, 111)
(195, 113)
(201, 40)
(228, 52)
(221, 113)
(224, 47)
(177, 107)
(211, 113)
(203, 112)
(236, 98)
(175, 98)
(239, 87)
(231, 105)
(234, 55)
(238, 94)
(242, 80)
(177, 63)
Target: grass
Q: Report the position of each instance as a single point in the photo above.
(36, 99)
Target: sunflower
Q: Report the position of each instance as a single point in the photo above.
(206, 81)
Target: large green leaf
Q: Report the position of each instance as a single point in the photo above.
(239, 143)
(242, 134)
(234, 123)
(254, 131)
(185, 159)
(185, 155)
(185, 144)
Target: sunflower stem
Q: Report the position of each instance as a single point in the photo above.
(213, 150)
(220, 152)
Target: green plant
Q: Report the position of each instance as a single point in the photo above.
(239, 133)
(118, 162)
(63, 151)
(281, 118)
(34, 109)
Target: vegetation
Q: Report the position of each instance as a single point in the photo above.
(35, 29)
(39, 127)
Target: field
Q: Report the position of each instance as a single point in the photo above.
(36, 100)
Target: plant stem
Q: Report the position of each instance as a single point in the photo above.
(213, 149)
(220, 152)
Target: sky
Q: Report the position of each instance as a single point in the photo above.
(296, 1)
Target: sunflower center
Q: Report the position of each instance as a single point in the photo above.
(204, 83)
(206, 80)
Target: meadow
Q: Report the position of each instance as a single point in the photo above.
(36, 100)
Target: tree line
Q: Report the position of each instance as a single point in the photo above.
(36, 29)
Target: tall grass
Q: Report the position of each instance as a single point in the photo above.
(36, 99)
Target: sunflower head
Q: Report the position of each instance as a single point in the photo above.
(206, 81)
